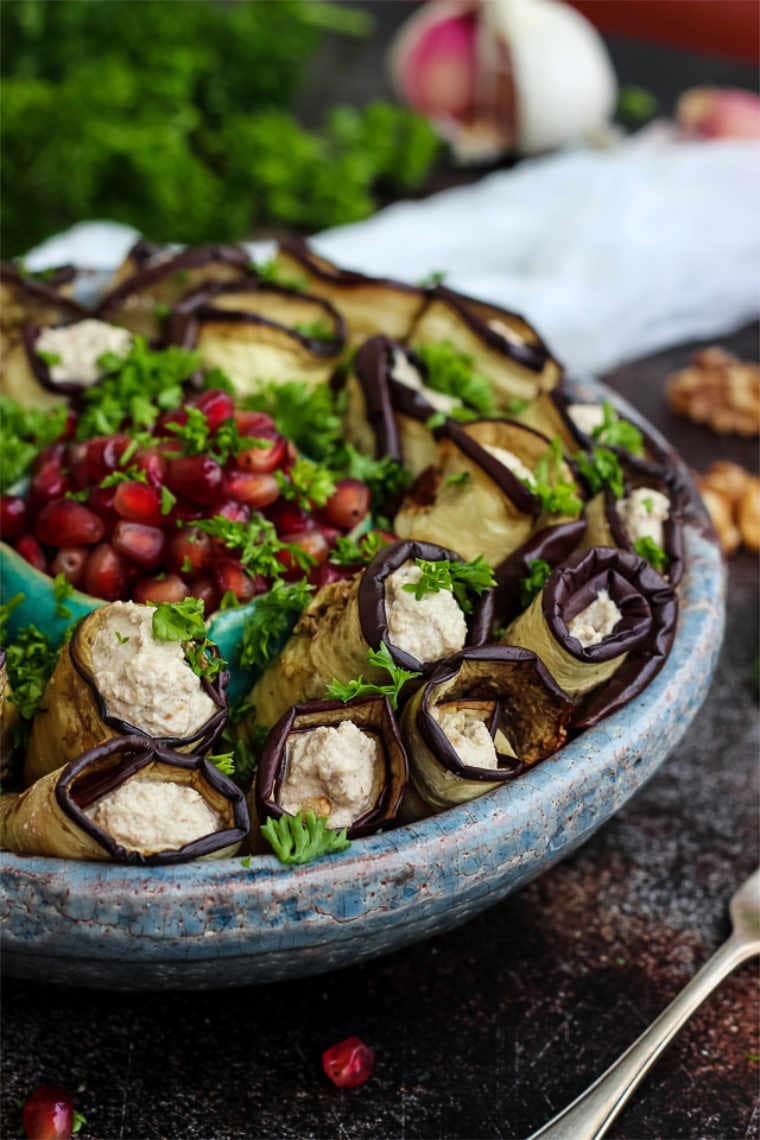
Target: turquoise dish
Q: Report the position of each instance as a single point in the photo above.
(224, 923)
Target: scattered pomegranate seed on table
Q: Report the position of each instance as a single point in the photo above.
(349, 1063)
(48, 1114)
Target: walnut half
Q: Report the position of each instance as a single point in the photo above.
(719, 390)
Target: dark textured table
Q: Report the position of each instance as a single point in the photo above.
(487, 1031)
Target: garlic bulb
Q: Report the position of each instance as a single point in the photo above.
(504, 76)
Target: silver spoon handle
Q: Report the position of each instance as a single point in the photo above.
(591, 1114)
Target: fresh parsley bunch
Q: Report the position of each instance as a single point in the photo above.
(30, 660)
(270, 620)
(23, 433)
(303, 413)
(358, 687)
(462, 578)
(301, 839)
(601, 469)
(534, 581)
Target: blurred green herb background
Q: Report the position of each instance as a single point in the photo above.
(176, 118)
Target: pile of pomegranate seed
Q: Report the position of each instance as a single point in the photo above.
(135, 539)
(349, 1063)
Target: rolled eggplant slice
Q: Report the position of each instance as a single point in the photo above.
(344, 762)
(257, 333)
(504, 347)
(370, 305)
(652, 509)
(606, 615)
(128, 801)
(115, 678)
(346, 619)
(478, 500)
(481, 719)
(48, 366)
(390, 404)
(140, 299)
(29, 300)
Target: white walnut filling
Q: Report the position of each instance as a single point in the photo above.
(505, 331)
(145, 682)
(405, 373)
(79, 347)
(586, 417)
(596, 621)
(427, 628)
(334, 772)
(513, 462)
(144, 814)
(468, 734)
(643, 513)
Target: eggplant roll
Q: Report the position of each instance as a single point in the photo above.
(481, 719)
(344, 762)
(258, 333)
(114, 678)
(504, 347)
(139, 299)
(390, 403)
(346, 619)
(652, 508)
(604, 619)
(369, 305)
(26, 299)
(128, 801)
(48, 366)
(478, 498)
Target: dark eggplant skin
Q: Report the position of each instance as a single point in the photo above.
(150, 274)
(553, 544)
(505, 480)
(44, 292)
(371, 596)
(371, 713)
(533, 356)
(299, 250)
(197, 307)
(79, 787)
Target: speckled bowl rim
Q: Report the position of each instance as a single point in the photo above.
(449, 846)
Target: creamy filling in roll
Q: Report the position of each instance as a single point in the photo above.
(586, 417)
(335, 772)
(428, 628)
(643, 514)
(404, 372)
(595, 621)
(511, 461)
(79, 347)
(468, 734)
(146, 814)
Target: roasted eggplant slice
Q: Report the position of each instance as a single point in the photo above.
(479, 498)
(604, 619)
(346, 619)
(342, 761)
(141, 300)
(502, 345)
(114, 677)
(390, 404)
(481, 719)
(369, 305)
(258, 333)
(47, 366)
(26, 299)
(128, 801)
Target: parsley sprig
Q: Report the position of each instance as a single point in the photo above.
(614, 432)
(358, 687)
(30, 661)
(346, 552)
(272, 273)
(23, 433)
(601, 469)
(534, 581)
(6, 609)
(453, 372)
(315, 330)
(307, 483)
(256, 542)
(269, 621)
(62, 589)
(303, 413)
(225, 762)
(183, 621)
(557, 495)
(650, 550)
(198, 438)
(385, 477)
(297, 839)
(244, 739)
(461, 578)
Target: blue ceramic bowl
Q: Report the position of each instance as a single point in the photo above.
(221, 924)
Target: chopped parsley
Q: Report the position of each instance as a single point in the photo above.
(273, 273)
(457, 480)
(23, 433)
(557, 495)
(601, 469)
(6, 609)
(315, 330)
(534, 581)
(453, 372)
(161, 311)
(167, 501)
(122, 640)
(229, 600)
(648, 504)
(183, 621)
(62, 589)
(244, 738)
(305, 414)
(614, 432)
(50, 358)
(307, 482)
(300, 840)
(256, 542)
(30, 661)
(648, 549)
(385, 477)
(77, 1122)
(197, 437)
(358, 687)
(461, 578)
(186, 566)
(346, 552)
(515, 406)
(430, 280)
(225, 762)
(132, 474)
(437, 420)
(270, 620)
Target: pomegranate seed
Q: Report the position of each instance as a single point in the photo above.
(251, 488)
(254, 423)
(141, 544)
(263, 459)
(79, 467)
(90, 462)
(235, 512)
(65, 522)
(54, 454)
(331, 535)
(230, 575)
(48, 1114)
(189, 551)
(101, 500)
(291, 455)
(198, 477)
(12, 516)
(168, 589)
(29, 548)
(205, 589)
(49, 483)
(217, 406)
(349, 1063)
(178, 416)
(325, 573)
(348, 505)
(106, 574)
(151, 461)
(71, 423)
(313, 542)
(138, 503)
(290, 518)
(70, 561)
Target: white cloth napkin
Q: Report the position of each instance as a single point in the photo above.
(611, 254)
